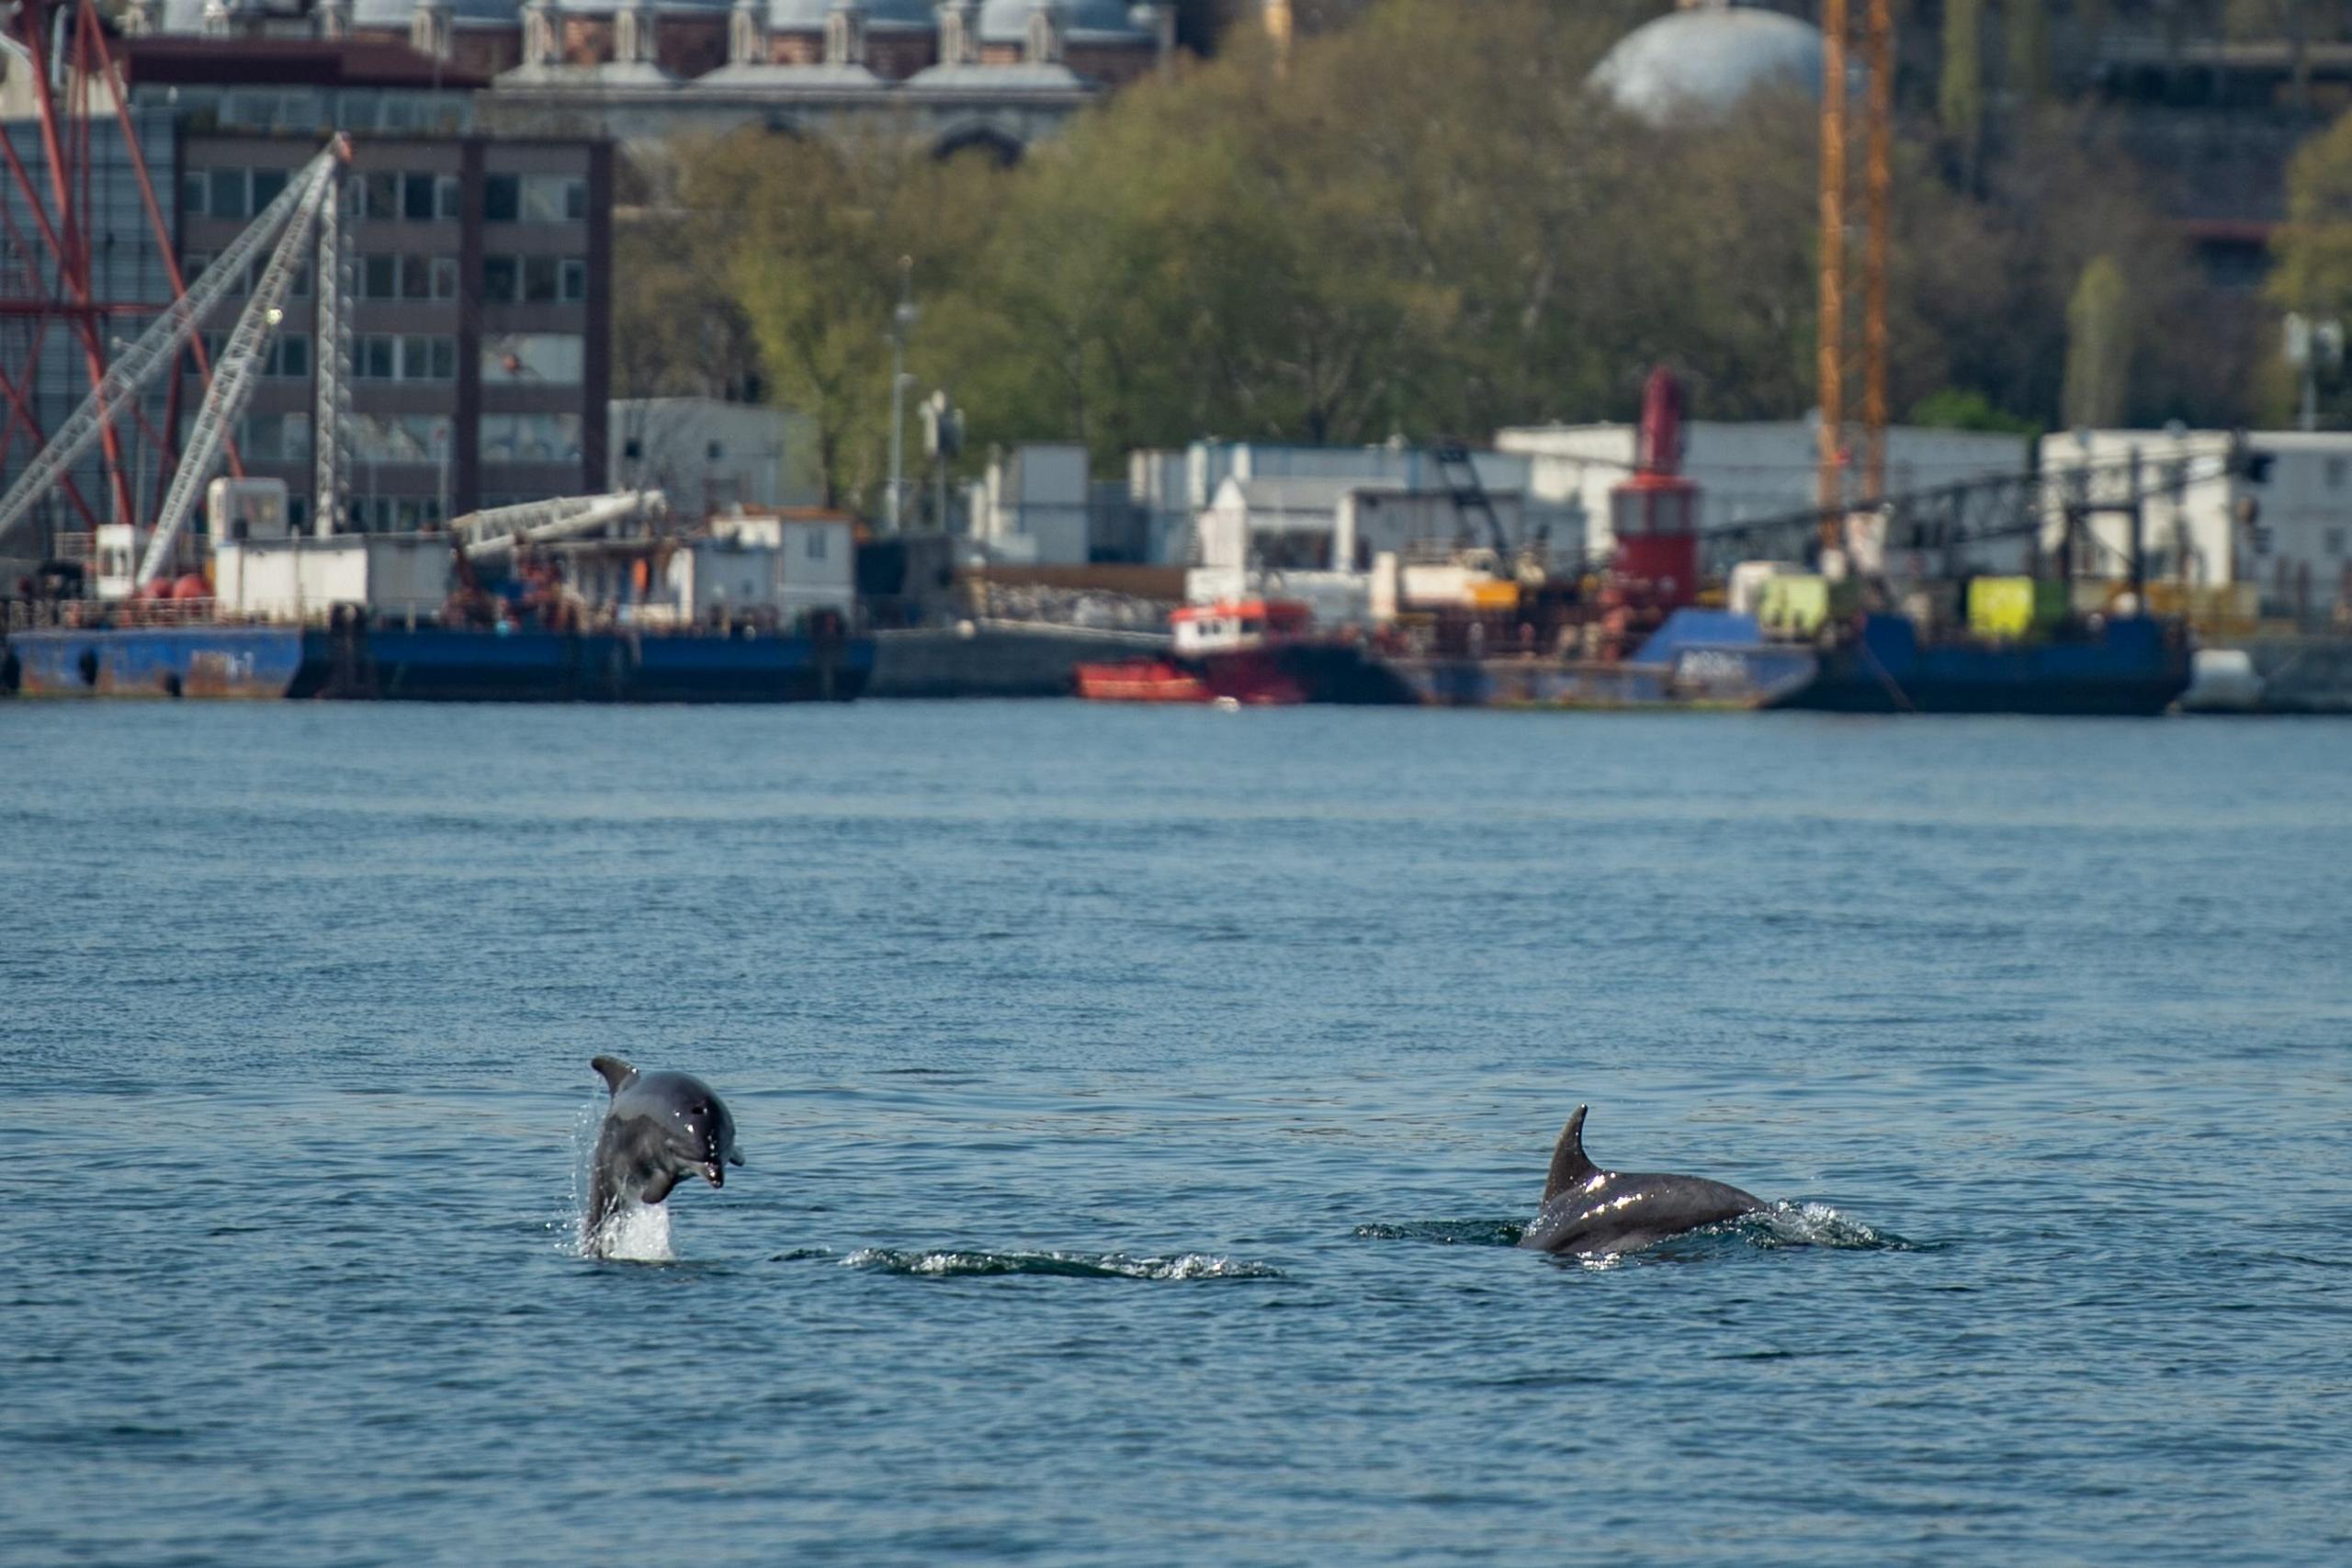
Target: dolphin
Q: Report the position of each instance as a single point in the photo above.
(1596, 1213)
(659, 1128)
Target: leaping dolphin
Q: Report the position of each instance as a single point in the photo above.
(659, 1128)
(1596, 1213)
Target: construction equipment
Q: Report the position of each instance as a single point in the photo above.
(285, 228)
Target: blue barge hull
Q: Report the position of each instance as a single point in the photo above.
(2136, 667)
(432, 664)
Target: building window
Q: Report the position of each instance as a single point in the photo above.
(2336, 468)
(400, 437)
(2335, 538)
(230, 193)
(534, 280)
(381, 357)
(406, 277)
(227, 196)
(387, 195)
(287, 357)
(816, 543)
(394, 513)
(530, 438)
(274, 437)
(553, 359)
(533, 199)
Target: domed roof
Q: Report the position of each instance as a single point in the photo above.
(1706, 57)
(809, 15)
(1007, 22)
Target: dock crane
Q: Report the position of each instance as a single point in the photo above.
(303, 211)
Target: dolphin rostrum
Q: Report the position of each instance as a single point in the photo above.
(659, 1128)
(1597, 1212)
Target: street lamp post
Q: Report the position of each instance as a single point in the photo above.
(903, 321)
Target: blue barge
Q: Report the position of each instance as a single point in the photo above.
(433, 664)
(2132, 665)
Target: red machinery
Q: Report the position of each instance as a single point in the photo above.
(1655, 511)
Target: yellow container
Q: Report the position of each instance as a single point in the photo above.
(1494, 595)
(2001, 606)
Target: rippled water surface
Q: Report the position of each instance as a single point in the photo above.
(1139, 1107)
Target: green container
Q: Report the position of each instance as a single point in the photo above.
(1793, 607)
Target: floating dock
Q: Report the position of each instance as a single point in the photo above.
(433, 664)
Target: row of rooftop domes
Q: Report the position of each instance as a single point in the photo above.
(1000, 21)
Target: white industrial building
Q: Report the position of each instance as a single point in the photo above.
(781, 567)
(710, 456)
(392, 576)
(2290, 538)
(1745, 471)
(1035, 506)
(1340, 524)
(1175, 491)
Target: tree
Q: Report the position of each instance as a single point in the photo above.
(1960, 96)
(813, 236)
(2314, 248)
(2099, 346)
(2028, 30)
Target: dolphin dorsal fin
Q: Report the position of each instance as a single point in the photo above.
(1569, 1165)
(619, 1075)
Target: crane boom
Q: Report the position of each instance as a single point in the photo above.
(157, 349)
(240, 367)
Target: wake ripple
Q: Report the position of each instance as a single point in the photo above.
(1055, 1265)
(1782, 1225)
(1448, 1233)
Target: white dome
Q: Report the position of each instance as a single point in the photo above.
(1704, 59)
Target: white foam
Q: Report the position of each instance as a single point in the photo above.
(1818, 1224)
(635, 1232)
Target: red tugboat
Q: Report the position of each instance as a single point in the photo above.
(1249, 652)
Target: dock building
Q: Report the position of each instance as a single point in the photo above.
(1745, 471)
(2282, 536)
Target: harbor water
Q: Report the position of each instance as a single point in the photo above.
(1138, 1106)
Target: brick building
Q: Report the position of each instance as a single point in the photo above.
(479, 281)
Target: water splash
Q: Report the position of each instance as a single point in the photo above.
(959, 1265)
(1818, 1224)
(1448, 1233)
(635, 1233)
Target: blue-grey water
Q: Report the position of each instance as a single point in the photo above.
(1138, 1106)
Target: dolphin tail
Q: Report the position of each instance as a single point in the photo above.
(618, 1074)
(1569, 1165)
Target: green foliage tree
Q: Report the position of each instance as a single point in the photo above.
(815, 238)
(2029, 38)
(2314, 248)
(2099, 346)
(1430, 227)
(1960, 94)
